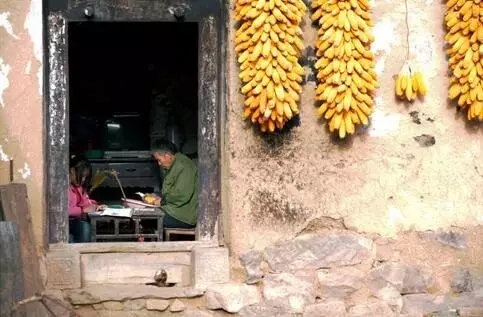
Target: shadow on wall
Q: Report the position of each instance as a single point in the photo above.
(272, 208)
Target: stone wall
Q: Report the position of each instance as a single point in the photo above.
(345, 274)
(332, 273)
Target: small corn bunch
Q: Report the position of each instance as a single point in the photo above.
(269, 45)
(410, 83)
(464, 37)
(98, 179)
(345, 66)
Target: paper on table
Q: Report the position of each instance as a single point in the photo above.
(115, 212)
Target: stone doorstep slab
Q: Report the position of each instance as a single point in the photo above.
(121, 292)
(69, 267)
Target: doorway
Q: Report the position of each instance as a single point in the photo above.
(130, 84)
(62, 18)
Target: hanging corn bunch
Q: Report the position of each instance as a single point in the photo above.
(410, 83)
(269, 45)
(345, 65)
(464, 23)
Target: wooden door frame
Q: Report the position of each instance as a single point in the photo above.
(209, 15)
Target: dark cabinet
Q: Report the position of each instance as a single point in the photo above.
(131, 172)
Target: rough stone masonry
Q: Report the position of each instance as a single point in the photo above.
(334, 274)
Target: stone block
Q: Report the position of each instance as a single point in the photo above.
(339, 282)
(287, 291)
(332, 308)
(319, 252)
(63, 269)
(449, 313)
(98, 306)
(112, 305)
(392, 273)
(423, 304)
(252, 263)
(209, 266)
(135, 313)
(416, 281)
(470, 312)
(391, 296)
(87, 311)
(177, 306)
(370, 309)
(461, 281)
(135, 304)
(264, 311)
(231, 297)
(57, 306)
(196, 312)
(157, 304)
(384, 252)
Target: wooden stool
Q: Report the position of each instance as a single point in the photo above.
(178, 231)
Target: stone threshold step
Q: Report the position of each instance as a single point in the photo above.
(95, 294)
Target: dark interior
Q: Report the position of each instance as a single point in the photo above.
(123, 68)
(129, 84)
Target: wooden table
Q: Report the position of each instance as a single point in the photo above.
(138, 215)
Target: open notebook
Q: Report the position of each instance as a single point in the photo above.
(114, 212)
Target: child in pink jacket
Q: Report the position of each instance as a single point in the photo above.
(79, 202)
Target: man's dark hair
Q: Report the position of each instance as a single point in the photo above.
(164, 146)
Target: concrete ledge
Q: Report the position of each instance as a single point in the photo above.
(132, 247)
(121, 292)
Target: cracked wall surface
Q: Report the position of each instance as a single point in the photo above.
(21, 100)
(416, 167)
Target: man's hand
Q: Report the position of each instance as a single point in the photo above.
(101, 207)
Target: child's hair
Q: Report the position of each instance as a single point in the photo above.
(79, 163)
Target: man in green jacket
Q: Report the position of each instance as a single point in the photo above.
(179, 195)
